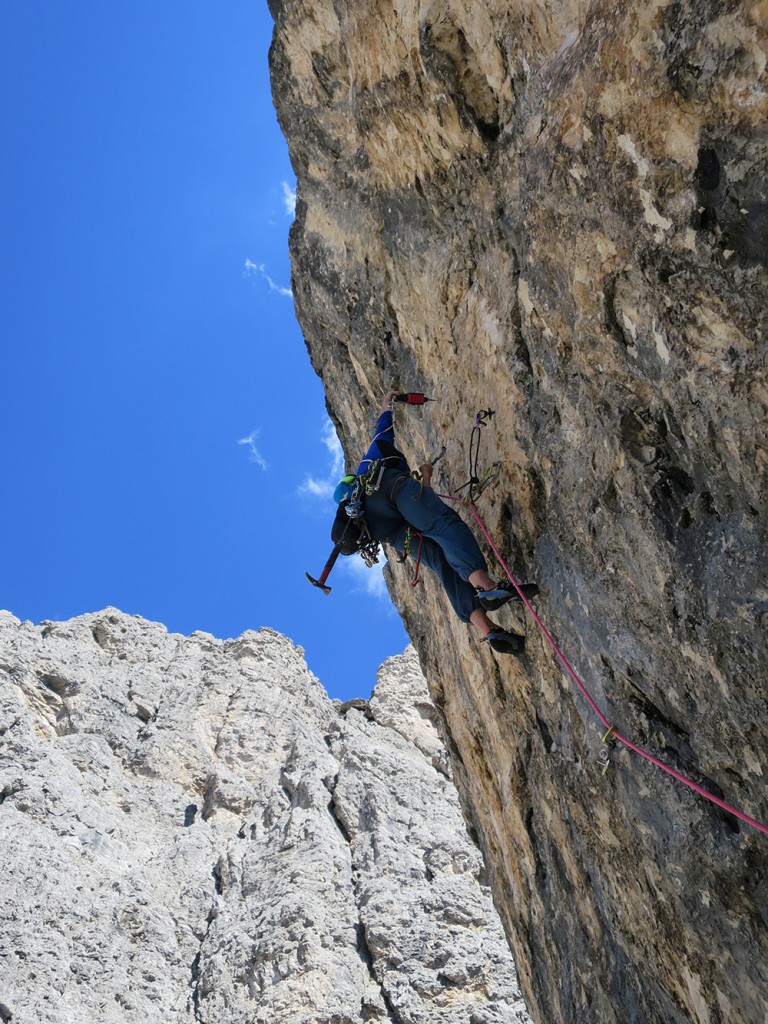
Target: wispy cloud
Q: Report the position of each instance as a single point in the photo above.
(364, 580)
(254, 453)
(259, 270)
(330, 439)
(321, 488)
(289, 199)
(311, 487)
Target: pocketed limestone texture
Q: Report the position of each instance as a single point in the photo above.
(193, 833)
(558, 211)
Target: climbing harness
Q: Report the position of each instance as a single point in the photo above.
(612, 736)
(365, 484)
(365, 544)
(368, 546)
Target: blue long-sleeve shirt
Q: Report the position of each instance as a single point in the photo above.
(385, 431)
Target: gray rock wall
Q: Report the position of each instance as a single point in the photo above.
(192, 832)
(558, 210)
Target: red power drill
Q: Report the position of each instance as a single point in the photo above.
(412, 398)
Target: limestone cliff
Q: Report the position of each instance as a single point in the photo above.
(558, 211)
(192, 833)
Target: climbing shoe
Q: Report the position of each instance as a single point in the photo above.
(505, 643)
(504, 592)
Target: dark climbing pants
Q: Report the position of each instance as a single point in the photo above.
(449, 547)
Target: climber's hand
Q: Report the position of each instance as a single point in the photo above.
(386, 405)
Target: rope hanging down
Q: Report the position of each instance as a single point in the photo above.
(612, 736)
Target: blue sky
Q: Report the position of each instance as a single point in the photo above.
(165, 447)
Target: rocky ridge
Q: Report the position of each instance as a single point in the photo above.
(559, 211)
(193, 832)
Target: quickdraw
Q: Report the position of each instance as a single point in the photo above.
(477, 488)
(477, 484)
(410, 533)
(609, 745)
(369, 551)
(370, 481)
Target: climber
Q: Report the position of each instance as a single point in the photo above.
(402, 508)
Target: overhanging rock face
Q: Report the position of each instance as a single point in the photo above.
(193, 833)
(558, 211)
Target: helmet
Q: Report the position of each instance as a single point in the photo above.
(344, 488)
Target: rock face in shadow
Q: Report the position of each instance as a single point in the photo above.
(558, 211)
(193, 832)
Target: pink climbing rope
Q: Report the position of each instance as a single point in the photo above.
(590, 700)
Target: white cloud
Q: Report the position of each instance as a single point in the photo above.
(331, 441)
(364, 580)
(312, 488)
(260, 270)
(289, 199)
(321, 488)
(255, 455)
